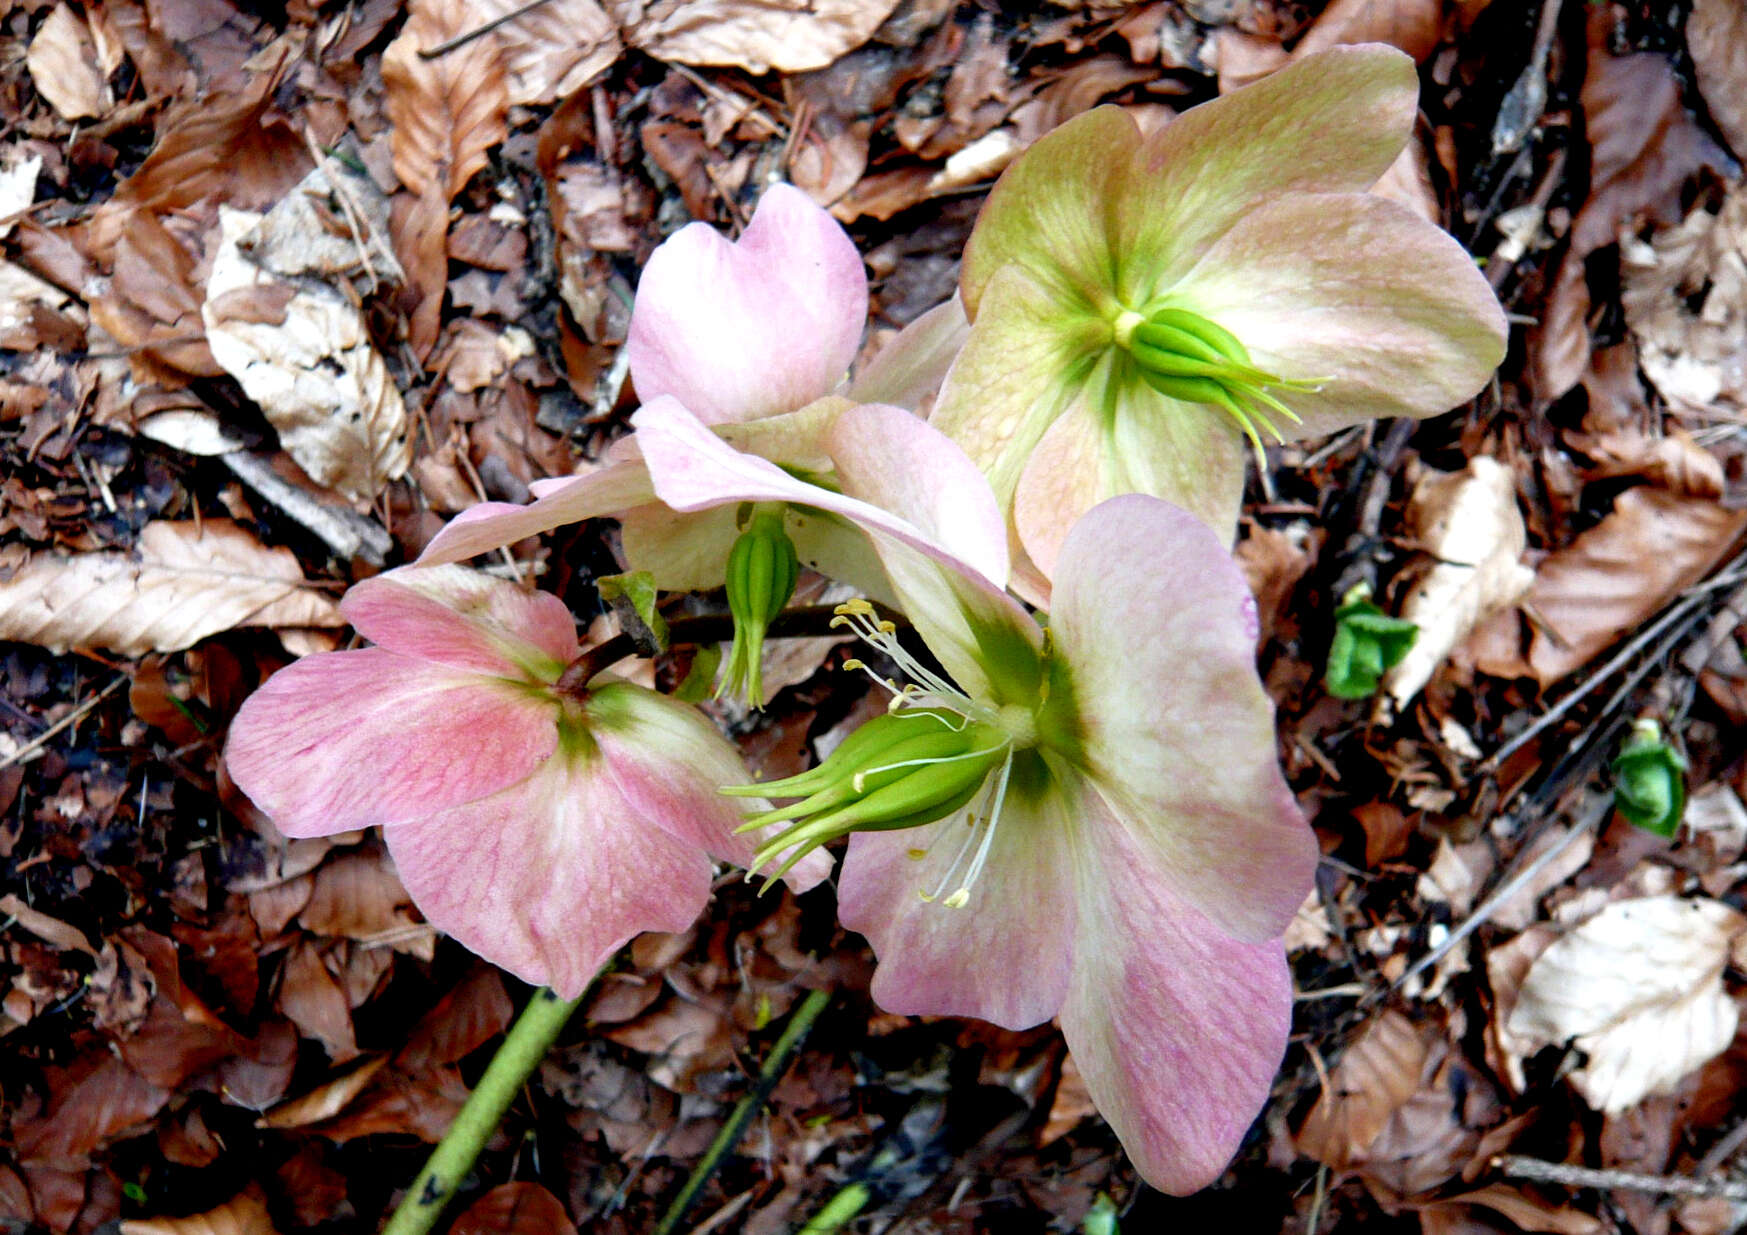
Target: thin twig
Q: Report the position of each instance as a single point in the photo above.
(461, 40)
(71, 718)
(1514, 1166)
(1720, 1153)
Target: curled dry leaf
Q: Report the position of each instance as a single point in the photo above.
(1638, 988)
(181, 583)
(1380, 1071)
(301, 351)
(756, 35)
(1685, 296)
(1468, 521)
(1716, 35)
(63, 66)
(244, 1214)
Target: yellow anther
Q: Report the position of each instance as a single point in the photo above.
(958, 900)
(852, 664)
(926, 898)
(888, 628)
(857, 607)
(916, 855)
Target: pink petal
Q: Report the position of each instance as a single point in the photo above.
(1004, 956)
(1177, 1029)
(551, 876)
(1356, 290)
(345, 740)
(1155, 624)
(740, 330)
(491, 525)
(669, 764)
(908, 371)
(465, 620)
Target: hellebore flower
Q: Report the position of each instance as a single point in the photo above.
(541, 822)
(1142, 305)
(751, 337)
(1087, 823)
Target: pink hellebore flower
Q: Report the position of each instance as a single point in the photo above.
(1142, 305)
(1087, 823)
(540, 822)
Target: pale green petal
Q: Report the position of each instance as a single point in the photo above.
(1357, 290)
(1332, 122)
(685, 551)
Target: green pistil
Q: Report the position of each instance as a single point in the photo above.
(761, 575)
(1185, 356)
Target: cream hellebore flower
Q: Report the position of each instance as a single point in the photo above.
(752, 337)
(1143, 305)
(1088, 822)
(540, 820)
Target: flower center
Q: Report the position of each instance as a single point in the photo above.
(1186, 356)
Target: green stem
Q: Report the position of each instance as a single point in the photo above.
(848, 1202)
(529, 1039)
(774, 1066)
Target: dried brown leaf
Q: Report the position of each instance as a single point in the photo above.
(1716, 35)
(325, 1101)
(311, 999)
(244, 1214)
(181, 583)
(1525, 1212)
(1380, 1071)
(553, 50)
(470, 1015)
(1412, 25)
(91, 1100)
(66, 937)
(63, 66)
(1620, 571)
(358, 896)
(515, 1209)
(756, 35)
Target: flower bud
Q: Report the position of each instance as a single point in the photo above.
(1650, 780)
(762, 570)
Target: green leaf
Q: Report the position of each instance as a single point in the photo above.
(632, 597)
(1367, 643)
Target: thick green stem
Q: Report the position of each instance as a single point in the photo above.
(794, 1033)
(529, 1039)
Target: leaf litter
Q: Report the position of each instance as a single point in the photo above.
(226, 233)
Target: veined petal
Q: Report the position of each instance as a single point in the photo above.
(465, 620)
(1357, 290)
(739, 330)
(1005, 955)
(1156, 627)
(686, 551)
(1026, 360)
(491, 525)
(1330, 123)
(984, 638)
(345, 740)
(908, 370)
(1177, 1029)
(669, 764)
(1049, 214)
(549, 877)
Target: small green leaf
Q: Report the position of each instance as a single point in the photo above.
(700, 679)
(1650, 780)
(1101, 1218)
(1367, 643)
(632, 597)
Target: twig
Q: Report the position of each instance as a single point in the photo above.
(343, 530)
(794, 1033)
(529, 1039)
(1514, 1166)
(461, 40)
(71, 718)
(1720, 1153)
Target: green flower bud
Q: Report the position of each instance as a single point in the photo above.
(1367, 643)
(902, 770)
(762, 570)
(1650, 780)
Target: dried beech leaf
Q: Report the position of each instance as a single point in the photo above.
(515, 1209)
(756, 35)
(181, 583)
(1380, 1071)
(1685, 297)
(1525, 1212)
(244, 1214)
(1412, 25)
(553, 50)
(325, 1101)
(18, 188)
(1469, 522)
(1638, 988)
(311, 999)
(314, 372)
(1716, 35)
(63, 66)
(1620, 571)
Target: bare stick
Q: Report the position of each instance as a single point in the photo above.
(1514, 1166)
(71, 718)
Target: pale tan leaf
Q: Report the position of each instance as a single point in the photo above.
(449, 110)
(1620, 571)
(553, 50)
(1525, 1212)
(244, 1214)
(50, 930)
(313, 371)
(181, 583)
(1468, 521)
(1380, 1071)
(1638, 988)
(756, 35)
(63, 66)
(1716, 35)
(18, 188)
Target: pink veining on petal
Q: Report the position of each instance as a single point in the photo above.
(737, 330)
(464, 620)
(491, 525)
(345, 740)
